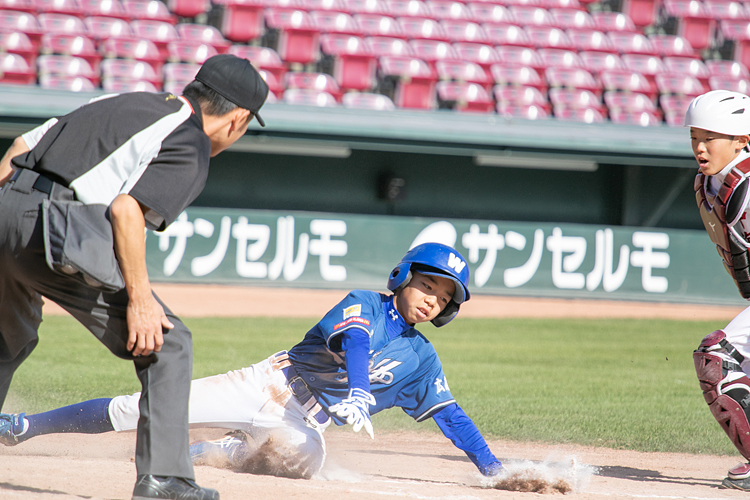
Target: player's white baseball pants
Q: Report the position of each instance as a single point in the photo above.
(738, 334)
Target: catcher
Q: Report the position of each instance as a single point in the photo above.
(363, 357)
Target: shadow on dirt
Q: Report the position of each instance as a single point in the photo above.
(645, 475)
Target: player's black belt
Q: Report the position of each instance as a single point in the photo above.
(299, 388)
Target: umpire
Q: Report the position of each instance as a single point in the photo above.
(76, 195)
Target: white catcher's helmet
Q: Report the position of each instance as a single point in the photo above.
(721, 111)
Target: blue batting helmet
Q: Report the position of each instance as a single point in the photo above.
(435, 259)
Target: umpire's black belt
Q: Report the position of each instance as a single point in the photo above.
(25, 181)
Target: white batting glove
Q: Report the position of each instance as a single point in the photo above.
(356, 410)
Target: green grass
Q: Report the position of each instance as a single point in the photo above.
(627, 384)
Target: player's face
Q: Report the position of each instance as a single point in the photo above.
(714, 151)
(424, 297)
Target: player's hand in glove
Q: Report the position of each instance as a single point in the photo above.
(356, 410)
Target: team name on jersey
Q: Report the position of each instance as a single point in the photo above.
(349, 321)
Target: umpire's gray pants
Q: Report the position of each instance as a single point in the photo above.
(162, 442)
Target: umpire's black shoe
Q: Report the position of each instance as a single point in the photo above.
(148, 487)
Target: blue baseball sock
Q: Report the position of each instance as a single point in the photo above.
(88, 417)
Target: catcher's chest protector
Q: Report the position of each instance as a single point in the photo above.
(722, 214)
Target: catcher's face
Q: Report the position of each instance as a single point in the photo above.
(424, 297)
(714, 151)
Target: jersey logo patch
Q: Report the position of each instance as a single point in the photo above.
(393, 313)
(170, 97)
(441, 385)
(354, 310)
(456, 263)
(356, 319)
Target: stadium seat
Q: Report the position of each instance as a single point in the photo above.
(204, 34)
(626, 42)
(159, 32)
(154, 10)
(529, 15)
(590, 40)
(726, 10)
(15, 70)
(733, 69)
(491, 13)
(549, 38)
(299, 37)
(129, 69)
(366, 100)
(481, 54)
(573, 19)
(189, 51)
(596, 62)
(275, 85)
(680, 84)
(325, 5)
(312, 81)
(561, 58)
(285, 5)
(630, 117)
(23, 22)
(71, 45)
(28, 6)
(563, 4)
(464, 31)
(179, 72)
(521, 56)
(19, 43)
(736, 35)
(529, 112)
(389, 46)
(61, 23)
(642, 12)
(100, 28)
(120, 85)
(449, 9)
(502, 35)
(378, 25)
(175, 86)
(505, 74)
(727, 83)
(354, 64)
(69, 83)
(687, 66)
(138, 49)
(432, 51)
(584, 115)
(646, 65)
(672, 45)
(674, 107)
(309, 97)
(575, 98)
(422, 29)
(335, 22)
(572, 78)
(520, 96)
(188, 8)
(241, 20)
(532, 3)
(626, 81)
(469, 97)
(693, 21)
(67, 66)
(629, 101)
(408, 8)
(414, 81)
(105, 8)
(613, 21)
(376, 7)
(262, 58)
(66, 7)
(463, 71)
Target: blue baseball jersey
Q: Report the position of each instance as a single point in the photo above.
(404, 369)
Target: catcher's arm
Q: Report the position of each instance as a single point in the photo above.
(460, 429)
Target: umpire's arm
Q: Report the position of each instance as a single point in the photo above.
(145, 315)
(18, 147)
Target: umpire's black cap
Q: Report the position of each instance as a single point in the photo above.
(237, 80)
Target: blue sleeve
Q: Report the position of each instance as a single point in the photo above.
(356, 344)
(460, 429)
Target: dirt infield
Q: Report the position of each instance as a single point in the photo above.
(408, 465)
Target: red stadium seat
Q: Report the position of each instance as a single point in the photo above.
(28, 6)
(532, 3)
(23, 22)
(365, 100)
(491, 13)
(563, 4)
(67, 66)
(596, 62)
(630, 117)
(335, 22)
(469, 97)
(674, 107)
(133, 70)
(626, 42)
(189, 51)
(573, 19)
(648, 66)
(175, 86)
(376, 7)
(15, 70)
(19, 43)
(275, 85)
(408, 8)
(354, 64)
(574, 78)
(722, 10)
(549, 38)
(101, 28)
(672, 45)
(732, 69)
(737, 34)
(463, 71)
(561, 58)
(585, 115)
(590, 40)
(159, 32)
(138, 49)
(71, 45)
(613, 21)
(521, 56)
(464, 31)
(325, 5)
(105, 8)
(61, 23)
(153, 10)
(313, 81)
(262, 58)
(67, 7)
(449, 9)
(642, 12)
(69, 83)
(481, 54)
(727, 83)
(626, 81)
(687, 66)
(432, 51)
(519, 76)
(121, 85)
(309, 97)
(529, 112)
(520, 96)
(299, 37)
(241, 20)
(693, 21)
(528, 15)
(378, 25)
(575, 98)
(179, 72)
(680, 85)
(286, 5)
(415, 81)
(188, 8)
(204, 34)
(422, 29)
(629, 101)
(388, 46)
(503, 35)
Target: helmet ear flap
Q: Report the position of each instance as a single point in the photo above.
(399, 277)
(446, 315)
